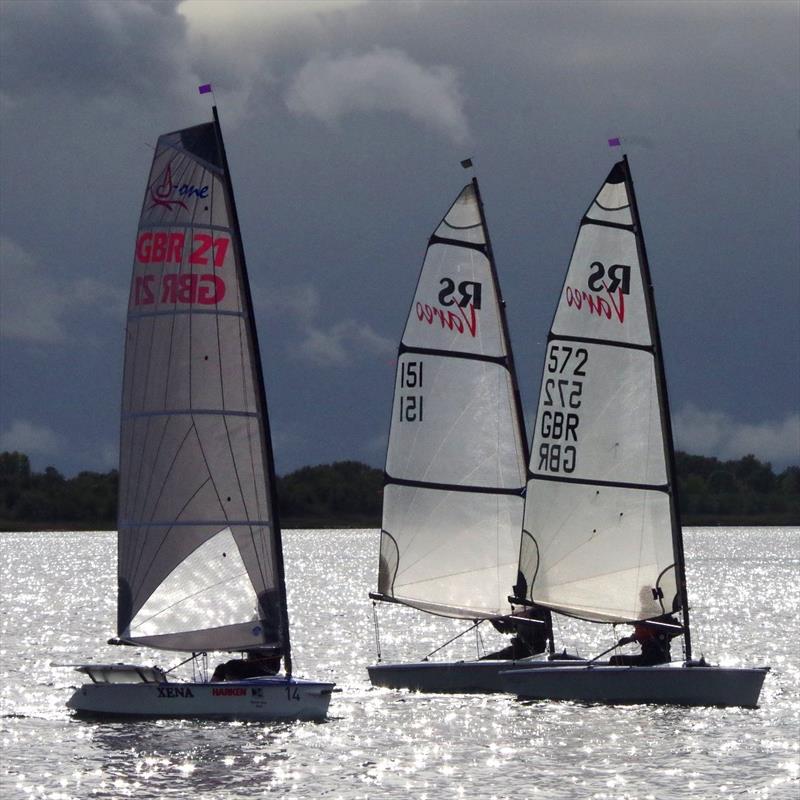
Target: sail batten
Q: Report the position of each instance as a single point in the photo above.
(455, 464)
(599, 522)
(199, 554)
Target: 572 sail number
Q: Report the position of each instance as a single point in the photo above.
(561, 399)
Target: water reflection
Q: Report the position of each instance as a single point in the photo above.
(391, 744)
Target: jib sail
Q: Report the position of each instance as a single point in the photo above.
(601, 539)
(455, 466)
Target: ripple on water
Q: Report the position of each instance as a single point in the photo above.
(57, 605)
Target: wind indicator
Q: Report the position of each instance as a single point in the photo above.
(615, 142)
(467, 163)
(207, 88)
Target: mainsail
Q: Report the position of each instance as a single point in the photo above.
(455, 466)
(601, 538)
(200, 564)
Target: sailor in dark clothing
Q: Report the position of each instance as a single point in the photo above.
(654, 641)
(255, 664)
(530, 638)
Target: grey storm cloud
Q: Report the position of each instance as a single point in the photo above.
(89, 49)
(381, 80)
(345, 123)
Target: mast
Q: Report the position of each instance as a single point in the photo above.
(262, 397)
(503, 323)
(666, 419)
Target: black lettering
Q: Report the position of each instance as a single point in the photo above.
(596, 275)
(581, 353)
(445, 295)
(469, 290)
(569, 463)
(543, 449)
(615, 281)
(572, 427)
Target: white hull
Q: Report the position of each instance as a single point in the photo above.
(453, 676)
(254, 699)
(677, 683)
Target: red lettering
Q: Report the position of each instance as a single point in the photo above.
(187, 288)
(452, 320)
(198, 254)
(620, 307)
(143, 291)
(206, 290)
(143, 247)
(159, 251)
(220, 249)
(595, 305)
(210, 291)
(160, 246)
(168, 286)
(228, 691)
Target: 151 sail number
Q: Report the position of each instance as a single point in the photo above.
(561, 398)
(411, 407)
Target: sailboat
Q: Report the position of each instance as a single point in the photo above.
(602, 539)
(457, 453)
(200, 561)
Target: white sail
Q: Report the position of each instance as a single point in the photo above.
(455, 466)
(199, 550)
(598, 538)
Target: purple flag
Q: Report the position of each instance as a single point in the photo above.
(614, 142)
(204, 89)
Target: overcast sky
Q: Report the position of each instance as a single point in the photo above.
(344, 124)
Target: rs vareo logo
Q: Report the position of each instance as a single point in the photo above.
(607, 289)
(458, 303)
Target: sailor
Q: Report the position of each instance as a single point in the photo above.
(255, 664)
(654, 641)
(530, 638)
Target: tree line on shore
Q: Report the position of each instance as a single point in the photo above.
(348, 494)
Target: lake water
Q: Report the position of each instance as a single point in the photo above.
(58, 606)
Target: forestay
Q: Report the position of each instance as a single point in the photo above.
(455, 466)
(600, 527)
(199, 550)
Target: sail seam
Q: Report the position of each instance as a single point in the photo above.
(454, 487)
(647, 348)
(185, 225)
(654, 487)
(481, 248)
(183, 411)
(176, 311)
(225, 523)
(432, 351)
(587, 220)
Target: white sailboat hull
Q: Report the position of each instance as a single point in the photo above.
(676, 683)
(454, 676)
(257, 699)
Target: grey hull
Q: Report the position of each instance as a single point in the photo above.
(453, 676)
(666, 684)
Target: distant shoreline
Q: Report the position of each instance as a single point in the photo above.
(349, 494)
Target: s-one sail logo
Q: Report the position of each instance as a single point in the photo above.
(456, 308)
(607, 289)
(164, 191)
